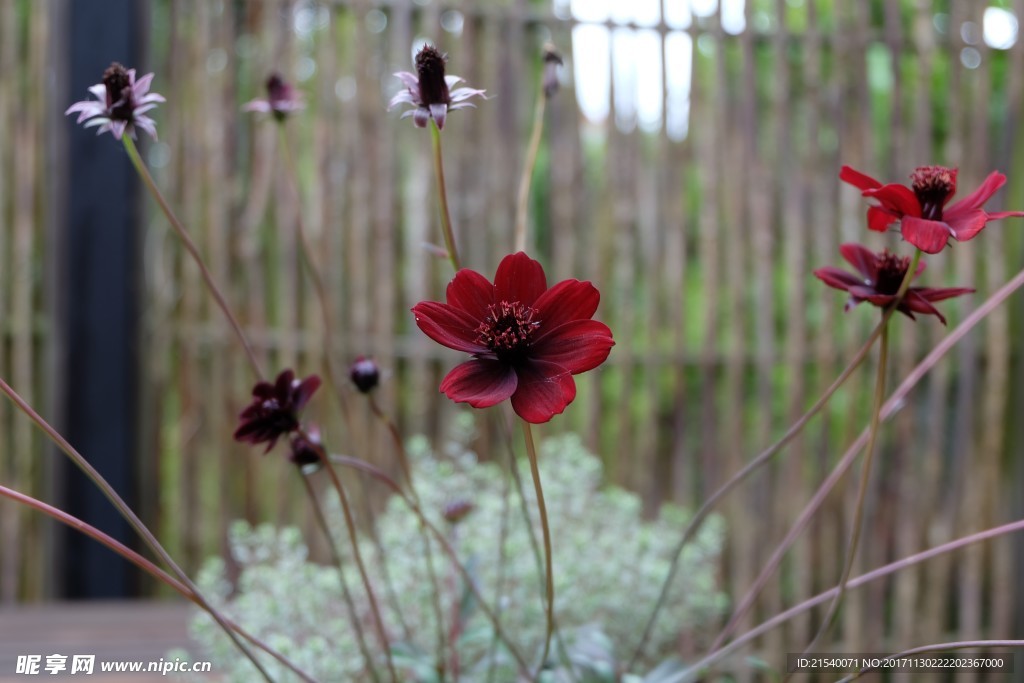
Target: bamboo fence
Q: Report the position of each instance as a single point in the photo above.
(702, 246)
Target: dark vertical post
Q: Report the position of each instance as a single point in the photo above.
(98, 302)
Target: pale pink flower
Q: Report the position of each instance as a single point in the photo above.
(120, 104)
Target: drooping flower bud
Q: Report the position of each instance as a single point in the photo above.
(552, 60)
(365, 374)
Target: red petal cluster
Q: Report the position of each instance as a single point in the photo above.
(527, 340)
(274, 410)
(879, 281)
(925, 220)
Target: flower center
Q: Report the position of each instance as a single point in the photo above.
(933, 185)
(891, 271)
(119, 92)
(430, 69)
(507, 329)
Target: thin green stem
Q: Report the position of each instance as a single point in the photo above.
(699, 668)
(468, 578)
(428, 553)
(865, 475)
(127, 513)
(865, 478)
(190, 247)
(531, 452)
(529, 166)
(748, 600)
(146, 566)
(896, 399)
(350, 525)
(755, 464)
(442, 196)
(346, 594)
(334, 375)
(535, 548)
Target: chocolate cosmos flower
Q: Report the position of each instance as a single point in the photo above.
(527, 341)
(879, 281)
(925, 220)
(120, 103)
(274, 410)
(282, 99)
(429, 90)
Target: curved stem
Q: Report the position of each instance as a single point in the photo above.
(127, 513)
(350, 525)
(891, 406)
(375, 472)
(701, 666)
(939, 647)
(531, 452)
(442, 196)
(755, 464)
(529, 165)
(346, 594)
(538, 558)
(428, 554)
(146, 566)
(823, 490)
(334, 374)
(190, 247)
(865, 478)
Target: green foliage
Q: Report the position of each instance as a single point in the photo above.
(609, 565)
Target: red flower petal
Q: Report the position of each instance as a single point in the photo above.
(470, 291)
(870, 294)
(481, 382)
(578, 345)
(838, 278)
(974, 200)
(861, 258)
(928, 236)
(545, 389)
(858, 179)
(880, 219)
(918, 304)
(899, 199)
(519, 278)
(568, 300)
(967, 225)
(305, 391)
(941, 293)
(448, 326)
(1004, 214)
(283, 384)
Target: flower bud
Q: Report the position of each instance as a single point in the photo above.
(365, 374)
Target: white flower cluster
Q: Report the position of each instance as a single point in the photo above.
(609, 565)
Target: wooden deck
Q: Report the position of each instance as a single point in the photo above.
(113, 631)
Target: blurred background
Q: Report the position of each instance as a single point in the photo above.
(688, 168)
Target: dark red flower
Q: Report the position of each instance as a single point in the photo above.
(527, 340)
(925, 220)
(879, 281)
(274, 410)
